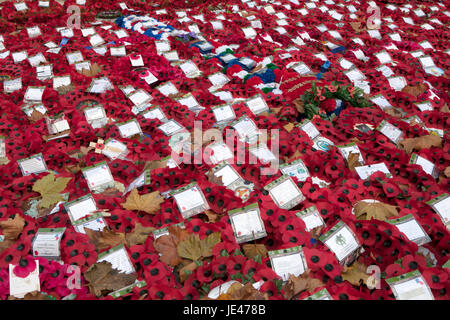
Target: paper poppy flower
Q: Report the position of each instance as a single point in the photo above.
(25, 267)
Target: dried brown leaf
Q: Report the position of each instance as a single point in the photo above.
(353, 161)
(377, 210)
(356, 274)
(253, 250)
(296, 285)
(149, 203)
(12, 228)
(417, 144)
(167, 245)
(139, 235)
(194, 248)
(102, 277)
(187, 270)
(105, 238)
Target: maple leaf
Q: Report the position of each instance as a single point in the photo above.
(415, 90)
(296, 285)
(92, 71)
(289, 127)
(253, 250)
(355, 274)
(447, 172)
(424, 142)
(155, 164)
(237, 291)
(445, 109)
(295, 156)
(12, 227)
(316, 232)
(187, 270)
(212, 216)
(5, 244)
(377, 210)
(105, 238)
(356, 26)
(149, 203)
(395, 112)
(167, 245)
(50, 189)
(102, 277)
(139, 235)
(194, 248)
(35, 295)
(353, 161)
(36, 116)
(298, 103)
(214, 179)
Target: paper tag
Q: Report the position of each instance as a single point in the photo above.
(19, 56)
(190, 200)
(94, 222)
(247, 224)
(285, 193)
(223, 113)
(257, 105)
(98, 177)
(19, 287)
(80, 207)
(46, 243)
(393, 133)
(411, 228)
(74, 57)
(311, 217)
(119, 259)
(171, 127)
(129, 128)
(341, 241)
(410, 286)
(365, 172)
(288, 262)
(295, 169)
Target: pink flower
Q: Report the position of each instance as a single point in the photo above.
(25, 267)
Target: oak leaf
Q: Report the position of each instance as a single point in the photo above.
(253, 250)
(194, 248)
(417, 144)
(355, 274)
(102, 277)
(296, 285)
(139, 234)
(377, 210)
(50, 190)
(105, 238)
(167, 245)
(12, 227)
(149, 203)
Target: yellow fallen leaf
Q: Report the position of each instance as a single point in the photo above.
(377, 210)
(150, 203)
